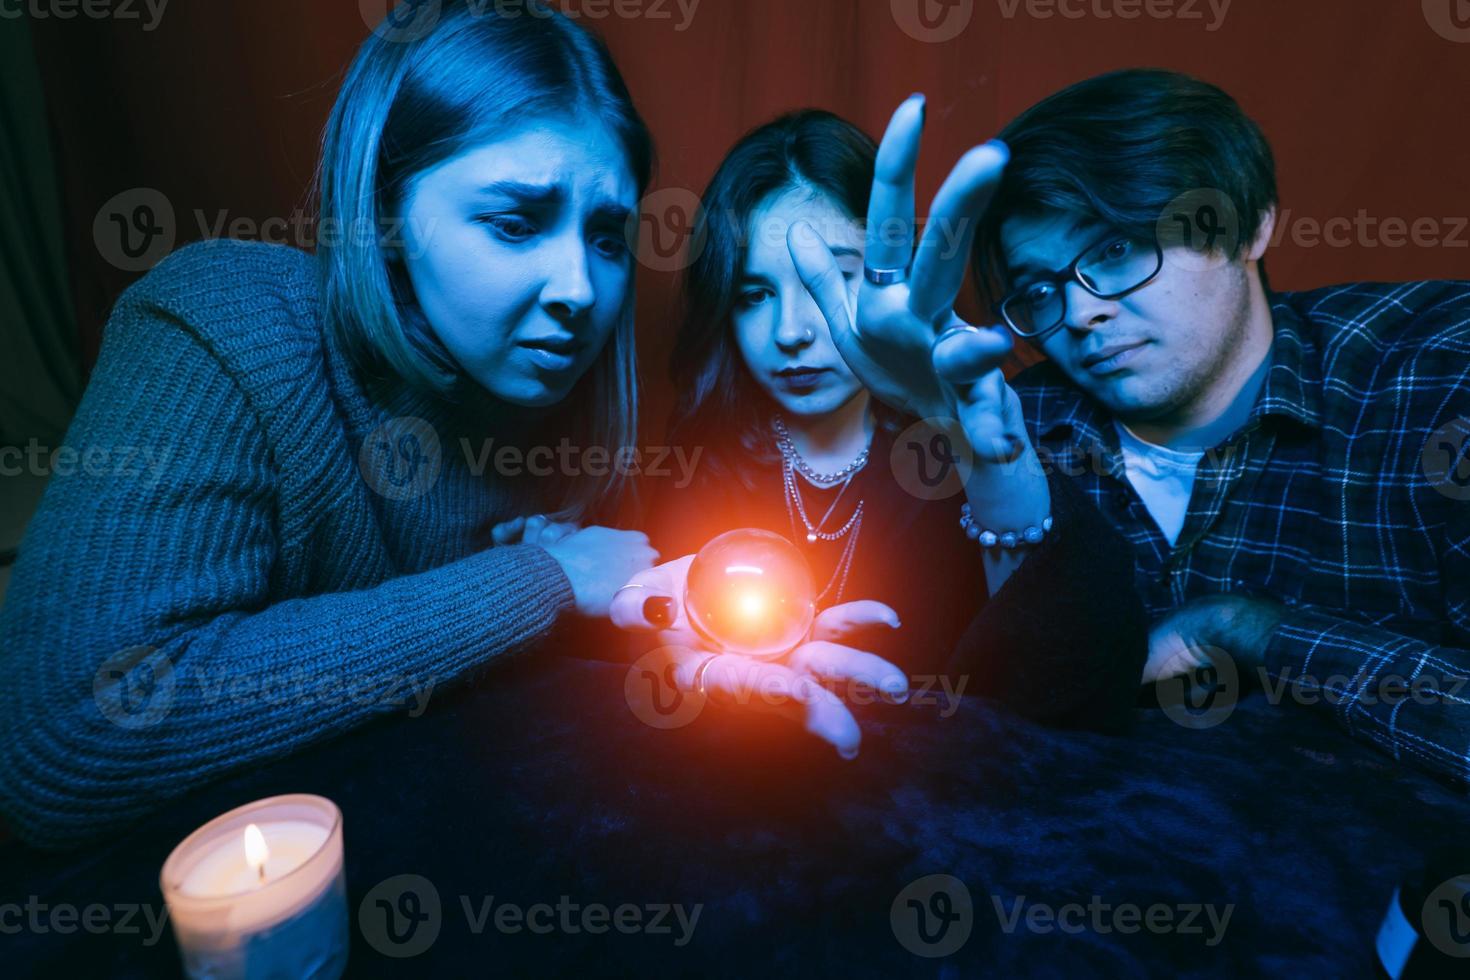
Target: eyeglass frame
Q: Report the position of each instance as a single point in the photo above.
(1071, 274)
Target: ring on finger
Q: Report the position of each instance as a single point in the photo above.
(699, 673)
(885, 277)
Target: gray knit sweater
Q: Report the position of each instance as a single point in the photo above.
(241, 551)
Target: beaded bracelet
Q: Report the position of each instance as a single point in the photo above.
(1009, 540)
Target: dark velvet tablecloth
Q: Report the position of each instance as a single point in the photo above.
(537, 781)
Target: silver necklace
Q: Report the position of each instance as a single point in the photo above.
(791, 464)
(789, 452)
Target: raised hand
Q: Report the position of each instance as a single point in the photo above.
(903, 340)
(799, 686)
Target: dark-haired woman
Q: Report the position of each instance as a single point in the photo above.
(1006, 582)
(319, 537)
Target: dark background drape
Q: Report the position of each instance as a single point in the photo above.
(218, 106)
(39, 375)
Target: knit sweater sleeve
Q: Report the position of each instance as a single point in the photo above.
(142, 651)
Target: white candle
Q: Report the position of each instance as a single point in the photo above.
(261, 891)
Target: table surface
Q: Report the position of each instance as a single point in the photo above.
(536, 783)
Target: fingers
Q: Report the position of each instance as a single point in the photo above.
(783, 691)
(819, 273)
(508, 532)
(890, 243)
(556, 532)
(838, 622)
(965, 354)
(944, 251)
(841, 665)
(631, 608)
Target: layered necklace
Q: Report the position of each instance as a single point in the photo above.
(791, 465)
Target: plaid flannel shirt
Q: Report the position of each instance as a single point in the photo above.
(1346, 496)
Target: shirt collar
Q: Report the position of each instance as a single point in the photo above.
(1293, 386)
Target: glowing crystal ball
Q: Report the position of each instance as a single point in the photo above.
(750, 592)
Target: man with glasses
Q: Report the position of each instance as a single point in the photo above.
(1291, 469)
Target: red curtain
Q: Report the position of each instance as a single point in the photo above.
(219, 106)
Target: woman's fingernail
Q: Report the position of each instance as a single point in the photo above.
(659, 610)
(897, 689)
(849, 752)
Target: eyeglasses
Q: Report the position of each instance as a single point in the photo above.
(1110, 268)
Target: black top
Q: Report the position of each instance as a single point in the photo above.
(1063, 641)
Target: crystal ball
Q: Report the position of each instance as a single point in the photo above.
(750, 592)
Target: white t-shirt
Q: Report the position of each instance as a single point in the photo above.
(1163, 477)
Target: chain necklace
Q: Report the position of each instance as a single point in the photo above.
(791, 464)
(789, 452)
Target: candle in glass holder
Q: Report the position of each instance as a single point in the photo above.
(261, 892)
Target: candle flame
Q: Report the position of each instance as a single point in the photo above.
(256, 852)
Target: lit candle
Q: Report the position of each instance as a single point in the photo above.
(261, 891)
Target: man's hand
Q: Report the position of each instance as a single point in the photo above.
(1203, 630)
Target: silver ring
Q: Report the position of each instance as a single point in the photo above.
(699, 673)
(885, 277)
